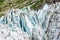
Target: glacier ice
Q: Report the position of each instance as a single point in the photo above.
(27, 24)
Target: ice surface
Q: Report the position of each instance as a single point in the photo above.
(27, 24)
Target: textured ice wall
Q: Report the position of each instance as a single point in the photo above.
(27, 24)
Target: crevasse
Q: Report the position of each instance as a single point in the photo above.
(27, 24)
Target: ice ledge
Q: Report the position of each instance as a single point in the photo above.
(27, 24)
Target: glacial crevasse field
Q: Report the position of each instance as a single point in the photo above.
(27, 24)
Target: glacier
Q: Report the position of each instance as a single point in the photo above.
(27, 24)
